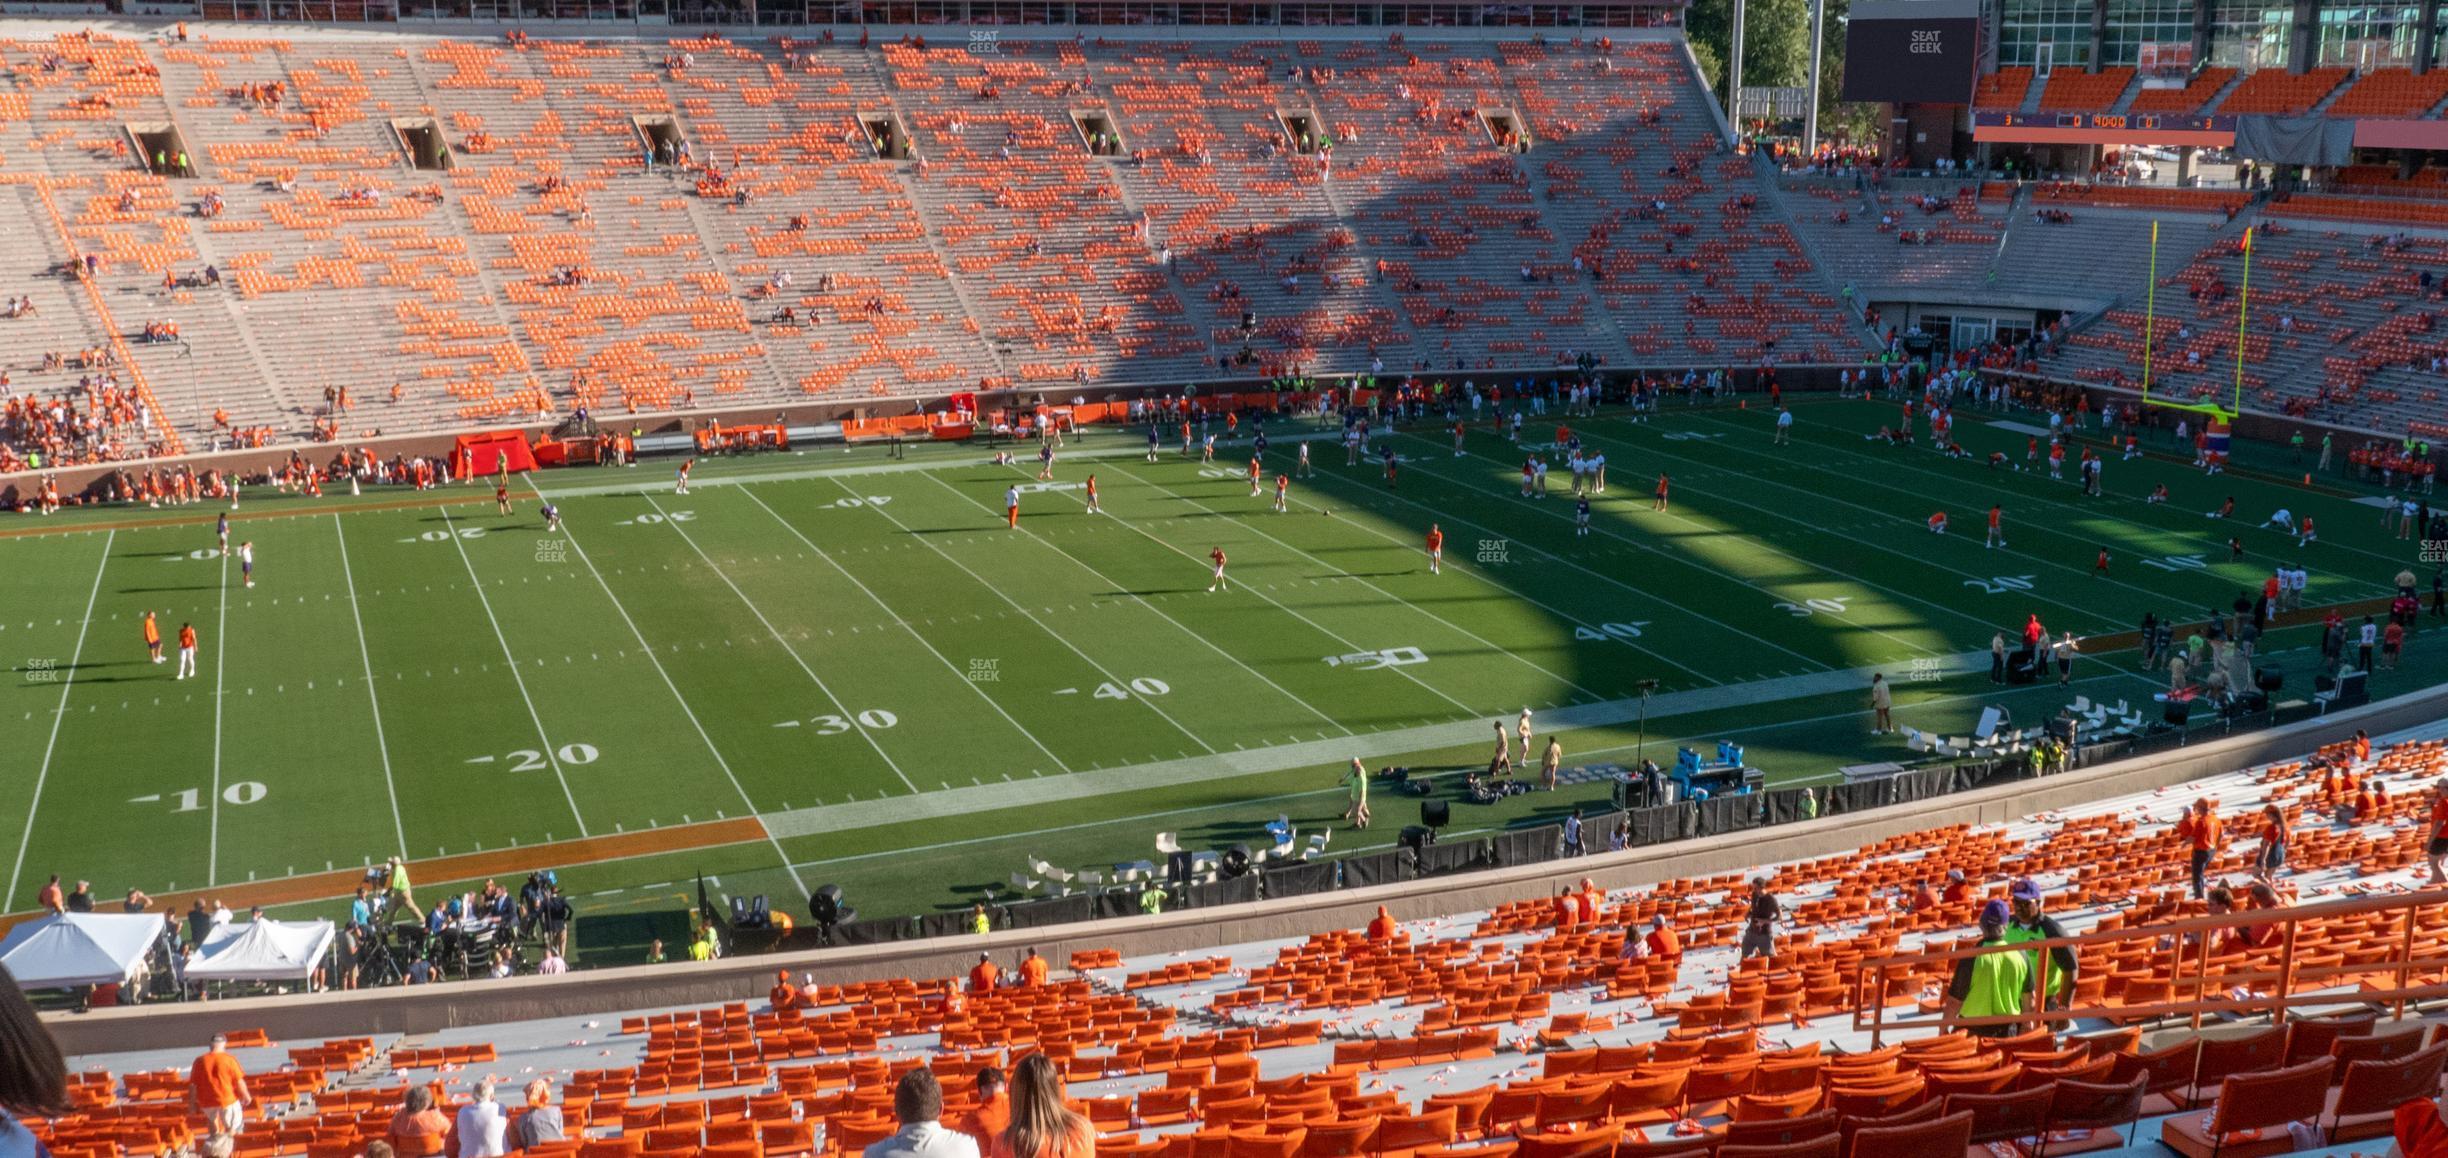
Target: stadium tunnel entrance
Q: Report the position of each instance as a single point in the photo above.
(161, 149)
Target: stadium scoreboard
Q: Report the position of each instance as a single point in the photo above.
(1912, 51)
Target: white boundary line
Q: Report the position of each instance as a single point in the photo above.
(1661, 739)
(2211, 543)
(682, 700)
(1253, 526)
(59, 716)
(1887, 594)
(1320, 628)
(1448, 516)
(212, 854)
(1141, 600)
(776, 632)
(905, 625)
(399, 828)
(1058, 637)
(516, 676)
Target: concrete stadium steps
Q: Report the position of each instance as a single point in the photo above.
(1451, 213)
(1205, 116)
(2358, 326)
(62, 321)
(1714, 275)
(1059, 273)
(892, 321)
(651, 323)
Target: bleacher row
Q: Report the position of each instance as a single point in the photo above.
(1526, 1030)
(2335, 92)
(2341, 327)
(548, 269)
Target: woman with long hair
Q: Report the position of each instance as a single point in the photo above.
(1041, 1125)
(33, 1078)
(2274, 839)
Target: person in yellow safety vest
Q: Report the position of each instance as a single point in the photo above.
(2030, 924)
(1990, 984)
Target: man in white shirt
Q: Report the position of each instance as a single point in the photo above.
(482, 1125)
(918, 1103)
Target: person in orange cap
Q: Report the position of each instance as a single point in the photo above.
(785, 995)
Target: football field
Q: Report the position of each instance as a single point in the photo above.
(834, 666)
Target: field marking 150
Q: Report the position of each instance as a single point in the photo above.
(192, 799)
(423, 537)
(532, 759)
(1834, 606)
(2178, 563)
(651, 518)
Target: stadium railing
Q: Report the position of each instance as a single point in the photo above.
(2388, 950)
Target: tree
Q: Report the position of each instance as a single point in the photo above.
(1776, 41)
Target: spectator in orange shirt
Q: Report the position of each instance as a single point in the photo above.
(2200, 829)
(1383, 927)
(50, 899)
(993, 1113)
(1568, 910)
(984, 975)
(2264, 934)
(2274, 835)
(1041, 1126)
(2437, 847)
(1033, 970)
(785, 995)
(418, 1130)
(218, 1088)
(1958, 890)
(1590, 902)
(1662, 942)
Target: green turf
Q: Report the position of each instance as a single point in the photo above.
(825, 628)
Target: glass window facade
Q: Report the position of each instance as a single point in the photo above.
(2064, 25)
(2368, 36)
(2250, 33)
(2134, 23)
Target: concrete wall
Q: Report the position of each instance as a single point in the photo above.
(599, 992)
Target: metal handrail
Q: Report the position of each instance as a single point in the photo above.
(2187, 943)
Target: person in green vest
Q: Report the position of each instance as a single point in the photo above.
(1990, 984)
(979, 922)
(2030, 924)
(1152, 898)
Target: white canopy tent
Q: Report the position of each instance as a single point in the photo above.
(262, 951)
(79, 949)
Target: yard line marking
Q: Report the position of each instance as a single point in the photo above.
(1787, 555)
(1321, 628)
(2210, 542)
(1816, 665)
(399, 830)
(838, 706)
(59, 717)
(1903, 519)
(1374, 742)
(1101, 669)
(212, 853)
(1475, 576)
(1661, 739)
(685, 710)
(1253, 527)
(905, 625)
(537, 719)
